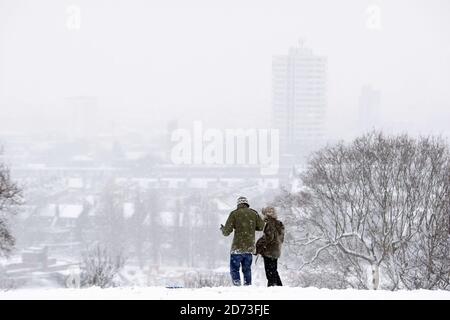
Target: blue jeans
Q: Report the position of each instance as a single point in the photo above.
(236, 260)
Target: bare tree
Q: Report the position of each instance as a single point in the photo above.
(100, 266)
(424, 261)
(138, 232)
(375, 202)
(152, 206)
(10, 196)
(111, 221)
(330, 269)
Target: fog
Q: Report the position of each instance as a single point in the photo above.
(149, 62)
(136, 125)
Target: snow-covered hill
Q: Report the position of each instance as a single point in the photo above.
(222, 293)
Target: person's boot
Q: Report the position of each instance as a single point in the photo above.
(237, 283)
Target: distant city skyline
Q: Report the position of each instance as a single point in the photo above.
(145, 69)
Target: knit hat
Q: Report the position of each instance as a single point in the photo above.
(242, 200)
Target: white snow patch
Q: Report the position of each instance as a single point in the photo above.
(75, 183)
(71, 211)
(167, 218)
(222, 293)
(48, 211)
(128, 210)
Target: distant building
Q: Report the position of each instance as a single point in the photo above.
(369, 109)
(299, 100)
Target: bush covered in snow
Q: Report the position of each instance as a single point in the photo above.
(201, 279)
(100, 267)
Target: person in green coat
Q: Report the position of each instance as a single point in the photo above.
(244, 221)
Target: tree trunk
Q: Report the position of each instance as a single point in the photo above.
(375, 276)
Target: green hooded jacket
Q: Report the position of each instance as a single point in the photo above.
(244, 221)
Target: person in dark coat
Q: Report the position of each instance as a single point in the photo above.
(244, 221)
(269, 245)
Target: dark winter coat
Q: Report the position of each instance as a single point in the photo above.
(269, 245)
(244, 221)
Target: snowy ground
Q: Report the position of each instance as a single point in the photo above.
(221, 293)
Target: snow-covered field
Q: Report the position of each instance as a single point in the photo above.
(221, 293)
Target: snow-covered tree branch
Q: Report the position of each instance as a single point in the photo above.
(10, 196)
(382, 202)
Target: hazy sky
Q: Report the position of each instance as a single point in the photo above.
(151, 61)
